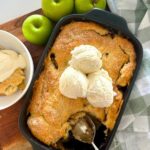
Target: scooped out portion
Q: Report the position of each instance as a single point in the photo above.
(12, 74)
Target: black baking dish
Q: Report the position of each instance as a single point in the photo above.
(112, 22)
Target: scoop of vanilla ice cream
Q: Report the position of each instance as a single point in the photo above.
(100, 89)
(86, 58)
(73, 83)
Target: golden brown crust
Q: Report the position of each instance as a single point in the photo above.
(50, 111)
(13, 83)
(112, 112)
(126, 72)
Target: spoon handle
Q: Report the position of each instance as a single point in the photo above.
(95, 147)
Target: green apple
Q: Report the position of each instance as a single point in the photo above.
(37, 29)
(83, 6)
(55, 9)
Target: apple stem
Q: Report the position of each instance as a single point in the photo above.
(94, 2)
(56, 1)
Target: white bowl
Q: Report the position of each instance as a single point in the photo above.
(9, 41)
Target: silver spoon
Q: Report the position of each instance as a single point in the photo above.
(84, 131)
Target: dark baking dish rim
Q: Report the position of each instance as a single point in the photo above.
(105, 18)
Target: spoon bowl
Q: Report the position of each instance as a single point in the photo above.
(84, 130)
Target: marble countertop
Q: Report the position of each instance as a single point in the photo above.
(10, 9)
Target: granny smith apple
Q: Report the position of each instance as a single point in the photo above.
(37, 29)
(55, 9)
(83, 6)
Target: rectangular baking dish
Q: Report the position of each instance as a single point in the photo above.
(114, 23)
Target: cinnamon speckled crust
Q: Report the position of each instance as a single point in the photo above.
(13, 83)
(50, 111)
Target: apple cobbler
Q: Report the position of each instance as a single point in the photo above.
(52, 114)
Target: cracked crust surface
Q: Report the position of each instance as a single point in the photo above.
(50, 111)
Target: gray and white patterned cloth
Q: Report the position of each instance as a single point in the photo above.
(134, 130)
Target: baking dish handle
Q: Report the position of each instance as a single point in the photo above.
(107, 18)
